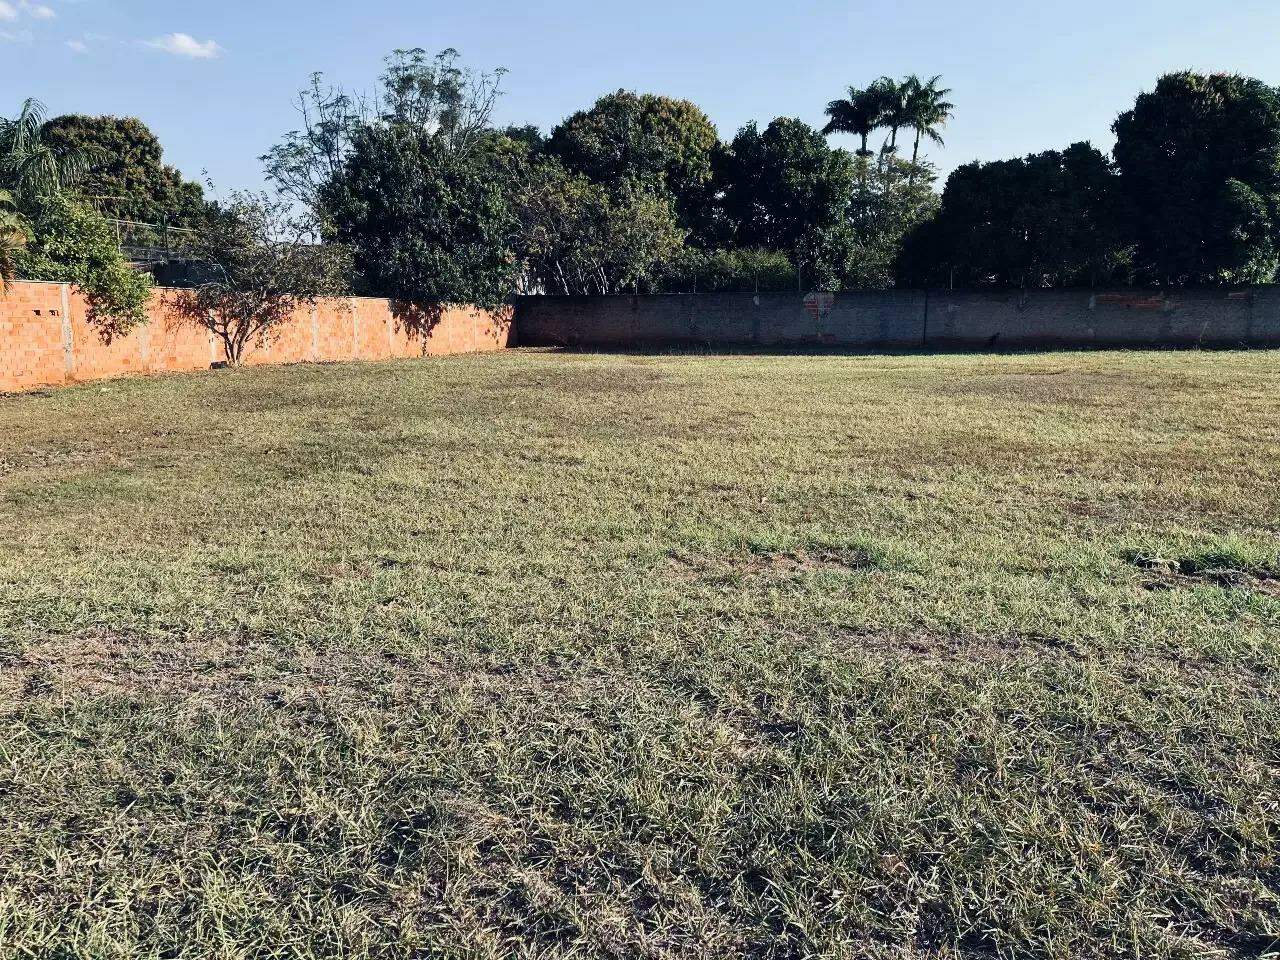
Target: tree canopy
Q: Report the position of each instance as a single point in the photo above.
(638, 193)
(1049, 219)
(124, 173)
(782, 183)
(1199, 160)
(581, 237)
(664, 143)
(426, 222)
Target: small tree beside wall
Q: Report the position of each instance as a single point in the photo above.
(257, 270)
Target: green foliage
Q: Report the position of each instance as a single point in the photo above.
(786, 189)
(427, 222)
(438, 95)
(306, 160)
(891, 198)
(32, 167)
(860, 114)
(895, 101)
(927, 110)
(1199, 159)
(784, 184)
(580, 237)
(726, 271)
(665, 143)
(125, 176)
(71, 243)
(1050, 219)
(433, 96)
(529, 135)
(258, 270)
(13, 237)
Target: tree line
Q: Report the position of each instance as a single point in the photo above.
(413, 192)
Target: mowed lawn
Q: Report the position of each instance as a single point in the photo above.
(540, 654)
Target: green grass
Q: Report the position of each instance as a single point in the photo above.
(645, 656)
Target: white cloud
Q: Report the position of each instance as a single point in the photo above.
(18, 36)
(78, 46)
(184, 45)
(10, 11)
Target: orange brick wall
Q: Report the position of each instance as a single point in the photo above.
(32, 351)
(34, 331)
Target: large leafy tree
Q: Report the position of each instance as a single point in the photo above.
(1050, 219)
(431, 95)
(427, 222)
(783, 185)
(1199, 158)
(124, 173)
(581, 237)
(439, 95)
(785, 189)
(665, 143)
(892, 199)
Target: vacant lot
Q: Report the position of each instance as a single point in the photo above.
(645, 656)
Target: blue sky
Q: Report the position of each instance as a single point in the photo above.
(214, 80)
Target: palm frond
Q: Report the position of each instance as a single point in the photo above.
(30, 166)
(28, 124)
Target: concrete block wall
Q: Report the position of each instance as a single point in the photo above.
(910, 318)
(46, 338)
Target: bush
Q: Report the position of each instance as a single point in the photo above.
(259, 270)
(70, 243)
(728, 271)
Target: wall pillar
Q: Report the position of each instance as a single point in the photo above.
(68, 340)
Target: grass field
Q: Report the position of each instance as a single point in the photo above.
(535, 654)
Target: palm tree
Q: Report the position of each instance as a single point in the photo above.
(927, 109)
(860, 114)
(13, 237)
(896, 115)
(29, 167)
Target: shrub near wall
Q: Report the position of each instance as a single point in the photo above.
(47, 339)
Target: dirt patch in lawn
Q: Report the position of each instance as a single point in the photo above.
(1222, 569)
(193, 668)
(772, 563)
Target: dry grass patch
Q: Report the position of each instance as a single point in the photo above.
(569, 656)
